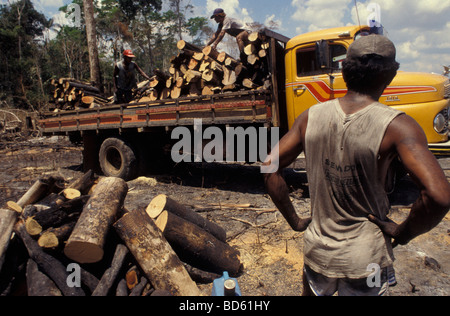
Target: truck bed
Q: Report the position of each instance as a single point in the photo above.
(246, 107)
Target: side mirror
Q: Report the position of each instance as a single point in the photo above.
(323, 54)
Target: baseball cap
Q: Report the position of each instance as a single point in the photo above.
(218, 11)
(372, 44)
(128, 53)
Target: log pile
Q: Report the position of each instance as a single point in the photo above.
(78, 240)
(71, 94)
(199, 71)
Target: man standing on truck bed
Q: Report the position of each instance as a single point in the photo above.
(125, 78)
(350, 144)
(229, 26)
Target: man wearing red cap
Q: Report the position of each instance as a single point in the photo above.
(229, 26)
(125, 78)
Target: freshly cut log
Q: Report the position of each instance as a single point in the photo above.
(182, 45)
(55, 217)
(83, 183)
(71, 194)
(163, 203)
(37, 191)
(55, 237)
(85, 245)
(154, 254)
(197, 247)
(210, 52)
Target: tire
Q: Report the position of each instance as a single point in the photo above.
(118, 159)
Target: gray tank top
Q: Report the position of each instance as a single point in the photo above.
(342, 153)
(127, 76)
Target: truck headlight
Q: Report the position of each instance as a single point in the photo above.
(440, 123)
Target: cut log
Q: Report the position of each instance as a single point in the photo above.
(164, 203)
(229, 77)
(46, 263)
(210, 52)
(249, 84)
(37, 191)
(83, 183)
(250, 49)
(7, 220)
(55, 237)
(85, 245)
(55, 216)
(156, 258)
(182, 45)
(197, 247)
(110, 276)
(13, 206)
(71, 194)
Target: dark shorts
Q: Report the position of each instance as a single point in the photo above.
(123, 96)
(321, 285)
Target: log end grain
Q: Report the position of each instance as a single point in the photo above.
(71, 194)
(156, 206)
(83, 252)
(13, 206)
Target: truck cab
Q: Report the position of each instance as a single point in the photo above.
(313, 75)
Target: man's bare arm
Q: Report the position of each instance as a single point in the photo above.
(434, 201)
(288, 150)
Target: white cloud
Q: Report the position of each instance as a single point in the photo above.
(231, 7)
(319, 14)
(419, 28)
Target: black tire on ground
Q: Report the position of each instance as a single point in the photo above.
(118, 159)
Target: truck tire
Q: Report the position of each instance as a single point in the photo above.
(118, 159)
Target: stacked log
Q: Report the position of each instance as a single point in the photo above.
(199, 71)
(89, 244)
(71, 94)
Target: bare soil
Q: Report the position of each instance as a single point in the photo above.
(270, 251)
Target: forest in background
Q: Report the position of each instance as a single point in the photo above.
(34, 49)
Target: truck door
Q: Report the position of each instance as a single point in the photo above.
(316, 76)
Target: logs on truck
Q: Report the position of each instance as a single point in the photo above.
(70, 94)
(77, 239)
(193, 72)
(199, 71)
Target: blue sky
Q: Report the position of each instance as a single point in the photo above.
(419, 28)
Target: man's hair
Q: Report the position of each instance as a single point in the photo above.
(368, 72)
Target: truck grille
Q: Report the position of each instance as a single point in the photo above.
(447, 90)
(446, 114)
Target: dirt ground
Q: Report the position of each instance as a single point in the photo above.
(270, 251)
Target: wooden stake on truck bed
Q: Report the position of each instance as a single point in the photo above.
(85, 245)
(154, 254)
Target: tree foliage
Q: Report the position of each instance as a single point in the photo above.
(35, 49)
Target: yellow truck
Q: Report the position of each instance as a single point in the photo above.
(303, 71)
(312, 79)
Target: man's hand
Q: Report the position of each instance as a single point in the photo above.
(389, 228)
(302, 224)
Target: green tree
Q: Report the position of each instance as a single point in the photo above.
(21, 45)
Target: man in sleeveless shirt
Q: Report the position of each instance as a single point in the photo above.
(125, 78)
(229, 26)
(349, 145)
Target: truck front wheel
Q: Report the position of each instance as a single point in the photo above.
(118, 159)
